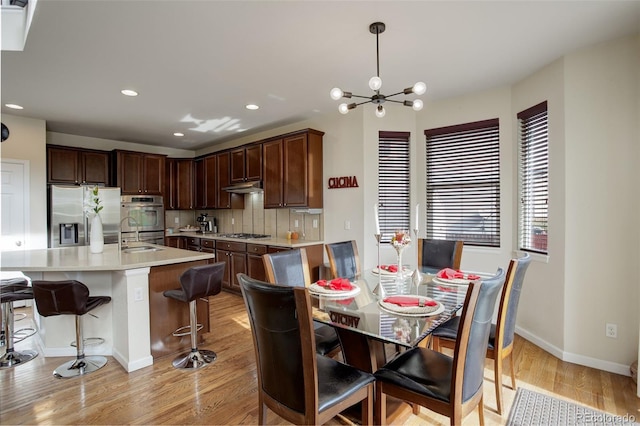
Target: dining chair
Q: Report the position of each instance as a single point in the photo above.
(291, 267)
(440, 253)
(293, 380)
(344, 260)
(451, 386)
(501, 336)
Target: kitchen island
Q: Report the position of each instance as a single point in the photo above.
(125, 324)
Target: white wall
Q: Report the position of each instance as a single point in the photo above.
(27, 142)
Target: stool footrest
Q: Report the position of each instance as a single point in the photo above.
(89, 341)
(186, 330)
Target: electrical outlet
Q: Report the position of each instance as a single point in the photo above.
(137, 294)
(315, 223)
(347, 224)
(233, 221)
(295, 223)
(611, 331)
(176, 220)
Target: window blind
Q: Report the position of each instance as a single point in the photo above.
(393, 182)
(533, 178)
(463, 183)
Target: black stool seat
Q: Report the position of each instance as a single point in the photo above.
(70, 297)
(196, 282)
(13, 290)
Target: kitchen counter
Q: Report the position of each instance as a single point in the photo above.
(80, 258)
(271, 241)
(125, 324)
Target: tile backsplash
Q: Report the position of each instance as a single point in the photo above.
(254, 219)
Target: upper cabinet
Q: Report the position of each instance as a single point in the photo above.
(292, 170)
(246, 163)
(226, 200)
(205, 182)
(140, 173)
(179, 183)
(77, 166)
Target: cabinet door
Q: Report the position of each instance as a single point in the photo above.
(238, 266)
(295, 176)
(130, 172)
(153, 174)
(95, 167)
(223, 256)
(237, 165)
(170, 184)
(184, 184)
(255, 267)
(253, 162)
(223, 162)
(210, 175)
(199, 184)
(272, 173)
(62, 165)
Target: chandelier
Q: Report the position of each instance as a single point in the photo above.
(375, 83)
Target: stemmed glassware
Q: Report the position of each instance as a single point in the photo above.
(400, 240)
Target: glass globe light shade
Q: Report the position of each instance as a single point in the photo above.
(380, 111)
(417, 105)
(375, 83)
(343, 108)
(335, 93)
(419, 88)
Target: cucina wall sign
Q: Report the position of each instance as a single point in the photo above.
(343, 182)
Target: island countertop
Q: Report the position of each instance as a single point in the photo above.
(80, 258)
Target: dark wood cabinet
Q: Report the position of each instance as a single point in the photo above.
(140, 173)
(226, 200)
(246, 164)
(184, 184)
(75, 166)
(292, 170)
(234, 255)
(205, 183)
(176, 242)
(255, 264)
(170, 202)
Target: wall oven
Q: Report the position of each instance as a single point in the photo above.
(142, 218)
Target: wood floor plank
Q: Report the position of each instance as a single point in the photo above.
(226, 391)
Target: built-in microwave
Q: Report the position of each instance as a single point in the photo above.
(141, 213)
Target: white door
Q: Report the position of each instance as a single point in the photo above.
(14, 198)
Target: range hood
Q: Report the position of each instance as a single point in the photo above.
(244, 187)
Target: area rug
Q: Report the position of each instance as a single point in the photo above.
(535, 409)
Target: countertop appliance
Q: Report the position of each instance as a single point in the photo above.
(67, 221)
(142, 218)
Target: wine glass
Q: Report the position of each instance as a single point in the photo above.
(400, 240)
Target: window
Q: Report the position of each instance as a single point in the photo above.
(393, 182)
(463, 183)
(533, 178)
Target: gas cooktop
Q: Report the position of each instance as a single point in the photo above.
(244, 236)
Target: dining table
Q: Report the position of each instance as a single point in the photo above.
(372, 330)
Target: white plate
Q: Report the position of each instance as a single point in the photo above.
(452, 281)
(408, 314)
(188, 229)
(335, 293)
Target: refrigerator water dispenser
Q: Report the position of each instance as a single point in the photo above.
(68, 234)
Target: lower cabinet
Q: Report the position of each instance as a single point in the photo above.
(255, 265)
(176, 242)
(235, 256)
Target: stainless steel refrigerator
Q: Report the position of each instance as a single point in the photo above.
(67, 221)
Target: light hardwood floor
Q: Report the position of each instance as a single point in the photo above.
(225, 392)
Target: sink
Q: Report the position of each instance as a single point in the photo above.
(139, 249)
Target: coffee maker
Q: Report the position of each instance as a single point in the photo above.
(205, 225)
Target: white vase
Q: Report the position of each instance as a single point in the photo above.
(96, 238)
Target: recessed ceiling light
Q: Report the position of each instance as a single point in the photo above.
(13, 106)
(178, 134)
(129, 92)
(252, 106)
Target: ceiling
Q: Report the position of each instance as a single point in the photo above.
(196, 64)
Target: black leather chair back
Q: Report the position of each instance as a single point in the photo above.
(479, 334)
(438, 253)
(202, 281)
(288, 268)
(60, 297)
(276, 332)
(344, 258)
(514, 299)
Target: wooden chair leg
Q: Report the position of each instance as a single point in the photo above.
(415, 408)
(481, 410)
(513, 373)
(497, 369)
(435, 343)
(380, 416)
(367, 407)
(262, 413)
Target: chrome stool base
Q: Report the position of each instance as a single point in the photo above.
(195, 359)
(13, 358)
(80, 366)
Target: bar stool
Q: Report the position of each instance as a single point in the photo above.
(70, 298)
(196, 282)
(13, 290)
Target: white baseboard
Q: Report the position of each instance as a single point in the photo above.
(586, 361)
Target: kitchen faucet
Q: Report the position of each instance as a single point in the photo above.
(120, 232)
